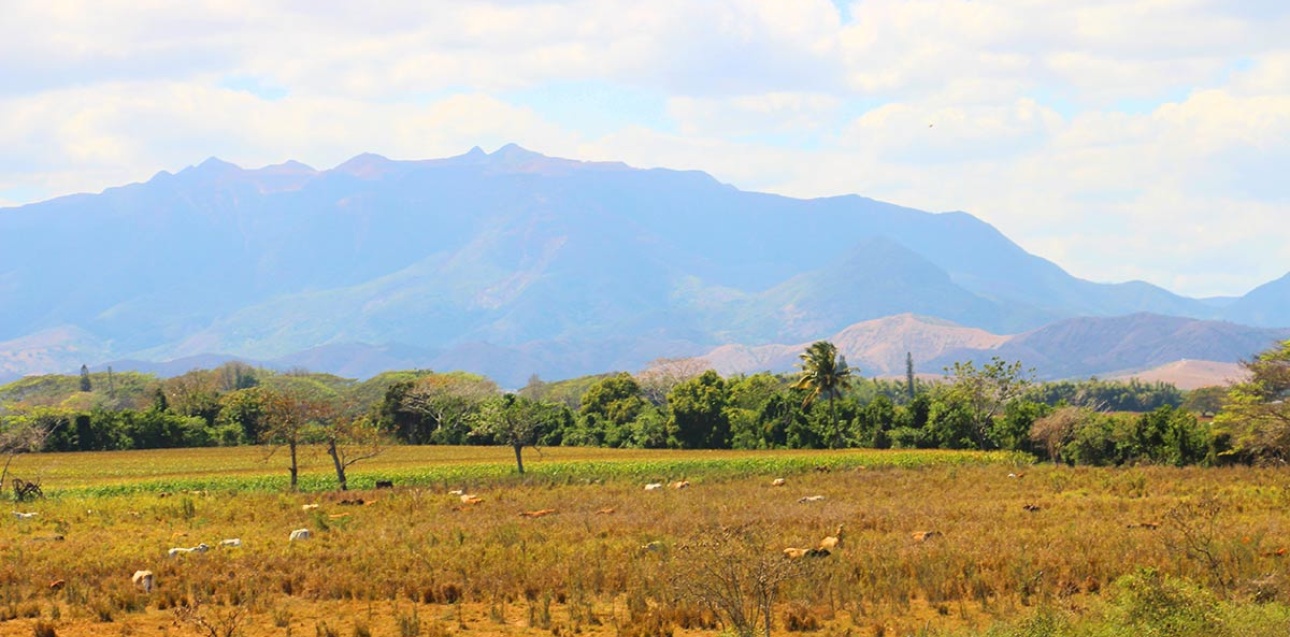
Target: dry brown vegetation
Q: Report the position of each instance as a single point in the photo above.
(617, 560)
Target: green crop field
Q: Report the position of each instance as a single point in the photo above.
(918, 543)
(251, 468)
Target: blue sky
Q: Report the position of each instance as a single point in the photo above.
(1122, 139)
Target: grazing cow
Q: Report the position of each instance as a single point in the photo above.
(300, 534)
(832, 541)
(308, 507)
(25, 516)
(467, 498)
(683, 484)
(200, 548)
(231, 543)
(606, 511)
(456, 492)
(778, 482)
(385, 484)
(797, 554)
(654, 486)
(537, 514)
(810, 498)
(923, 536)
(144, 580)
(1016, 475)
(57, 585)
(1033, 508)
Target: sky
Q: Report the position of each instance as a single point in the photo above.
(1122, 139)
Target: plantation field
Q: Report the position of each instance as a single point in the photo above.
(1043, 551)
(250, 468)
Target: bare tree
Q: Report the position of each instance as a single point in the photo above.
(294, 413)
(350, 439)
(22, 436)
(736, 575)
(1056, 429)
(661, 375)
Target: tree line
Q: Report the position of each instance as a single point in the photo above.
(674, 404)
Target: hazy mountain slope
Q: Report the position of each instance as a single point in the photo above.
(534, 259)
(1267, 305)
(1090, 346)
(62, 349)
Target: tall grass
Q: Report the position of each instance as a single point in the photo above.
(614, 558)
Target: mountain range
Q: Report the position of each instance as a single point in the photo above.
(513, 263)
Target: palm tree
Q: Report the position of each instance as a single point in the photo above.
(824, 373)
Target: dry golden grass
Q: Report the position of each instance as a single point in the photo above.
(486, 570)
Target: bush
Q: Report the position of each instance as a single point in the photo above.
(1153, 604)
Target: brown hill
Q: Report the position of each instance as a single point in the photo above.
(57, 349)
(877, 347)
(1189, 374)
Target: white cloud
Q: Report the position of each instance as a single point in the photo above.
(1122, 138)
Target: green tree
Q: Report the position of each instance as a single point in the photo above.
(614, 403)
(243, 410)
(698, 412)
(824, 373)
(515, 421)
(447, 403)
(984, 393)
(1206, 401)
(85, 379)
(910, 390)
(1256, 415)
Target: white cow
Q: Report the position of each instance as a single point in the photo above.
(654, 486)
(144, 580)
(200, 548)
(232, 543)
(25, 516)
(300, 534)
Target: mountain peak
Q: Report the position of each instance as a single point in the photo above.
(512, 153)
(366, 166)
(212, 169)
(215, 163)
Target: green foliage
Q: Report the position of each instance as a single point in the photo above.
(699, 419)
(824, 373)
(1206, 401)
(614, 401)
(981, 395)
(515, 421)
(1114, 395)
(1152, 603)
(1256, 416)
(993, 407)
(1081, 436)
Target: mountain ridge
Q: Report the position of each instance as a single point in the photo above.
(532, 258)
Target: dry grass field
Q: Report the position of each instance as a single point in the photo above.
(932, 543)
